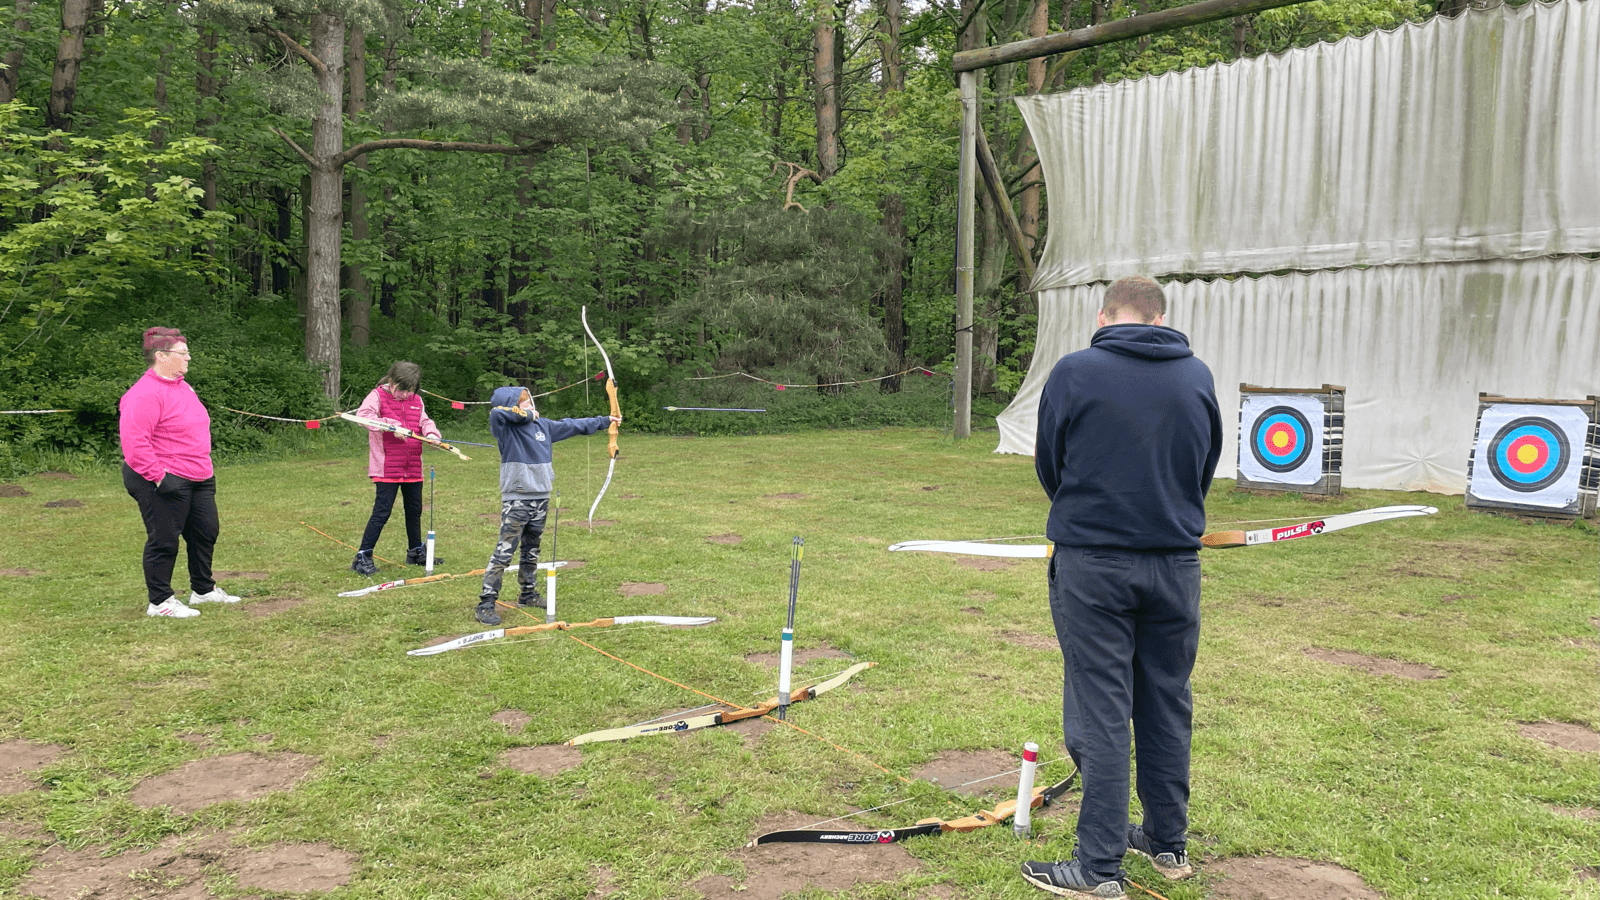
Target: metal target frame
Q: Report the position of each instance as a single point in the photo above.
(1332, 398)
(1586, 456)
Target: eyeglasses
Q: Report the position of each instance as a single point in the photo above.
(183, 353)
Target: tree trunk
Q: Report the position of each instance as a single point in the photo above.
(893, 205)
(282, 227)
(827, 91)
(206, 89)
(358, 305)
(69, 59)
(1028, 215)
(326, 219)
(10, 78)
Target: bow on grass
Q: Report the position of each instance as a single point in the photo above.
(1217, 540)
(484, 636)
(725, 717)
(443, 576)
(980, 819)
(616, 412)
(403, 432)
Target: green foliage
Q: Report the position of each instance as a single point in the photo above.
(84, 217)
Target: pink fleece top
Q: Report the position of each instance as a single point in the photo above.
(165, 428)
(392, 458)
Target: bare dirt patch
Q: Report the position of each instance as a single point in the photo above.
(801, 657)
(20, 757)
(640, 589)
(260, 609)
(751, 730)
(19, 573)
(545, 761)
(773, 871)
(1448, 599)
(960, 771)
(14, 490)
(973, 610)
(930, 487)
(238, 777)
(1561, 735)
(1376, 665)
(23, 832)
(1269, 878)
(785, 496)
(177, 869)
(1031, 641)
(724, 539)
(232, 575)
(68, 503)
(1586, 813)
(58, 476)
(513, 719)
(985, 563)
(202, 741)
(605, 883)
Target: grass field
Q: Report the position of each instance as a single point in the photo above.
(1425, 788)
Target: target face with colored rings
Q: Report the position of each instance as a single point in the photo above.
(1529, 454)
(1280, 440)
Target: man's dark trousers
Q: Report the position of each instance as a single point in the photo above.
(1129, 626)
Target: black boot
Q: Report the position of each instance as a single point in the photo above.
(363, 564)
(531, 597)
(486, 612)
(418, 556)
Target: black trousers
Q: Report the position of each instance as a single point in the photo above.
(1128, 623)
(383, 505)
(186, 509)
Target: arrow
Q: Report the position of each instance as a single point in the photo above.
(443, 576)
(485, 636)
(403, 432)
(724, 717)
(981, 819)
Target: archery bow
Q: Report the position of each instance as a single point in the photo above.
(724, 717)
(443, 576)
(402, 431)
(1217, 540)
(483, 636)
(616, 412)
(980, 819)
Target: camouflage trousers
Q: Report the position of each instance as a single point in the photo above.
(521, 521)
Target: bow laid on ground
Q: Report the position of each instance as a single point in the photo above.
(443, 576)
(1217, 540)
(981, 819)
(404, 432)
(471, 640)
(616, 412)
(724, 717)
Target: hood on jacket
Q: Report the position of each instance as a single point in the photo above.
(509, 395)
(1143, 341)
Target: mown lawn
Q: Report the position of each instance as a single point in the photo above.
(1425, 788)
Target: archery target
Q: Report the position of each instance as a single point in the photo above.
(1280, 438)
(1529, 454)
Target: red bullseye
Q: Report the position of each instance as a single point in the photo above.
(1527, 454)
(1281, 440)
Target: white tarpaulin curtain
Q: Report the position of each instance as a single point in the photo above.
(1413, 346)
(1456, 159)
(1457, 139)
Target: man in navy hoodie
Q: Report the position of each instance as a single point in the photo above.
(1129, 436)
(526, 479)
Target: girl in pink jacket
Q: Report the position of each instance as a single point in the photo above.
(395, 463)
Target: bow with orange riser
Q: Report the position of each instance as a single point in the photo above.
(402, 431)
(616, 413)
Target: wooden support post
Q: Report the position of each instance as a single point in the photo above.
(966, 219)
(1002, 202)
(1110, 32)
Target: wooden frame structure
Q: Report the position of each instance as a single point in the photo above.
(1332, 397)
(1587, 458)
(975, 154)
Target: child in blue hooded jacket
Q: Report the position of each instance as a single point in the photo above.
(526, 479)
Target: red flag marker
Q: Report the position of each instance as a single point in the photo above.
(313, 424)
(782, 388)
(457, 404)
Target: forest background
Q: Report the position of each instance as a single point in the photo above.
(312, 189)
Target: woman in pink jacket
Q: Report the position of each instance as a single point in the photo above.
(395, 463)
(166, 452)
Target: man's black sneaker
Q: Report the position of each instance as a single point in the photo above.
(1171, 865)
(418, 556)
(486, 613)
(363, 564)
(1069, 880)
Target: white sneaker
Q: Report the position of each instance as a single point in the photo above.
(171, 607)
(217, 595)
